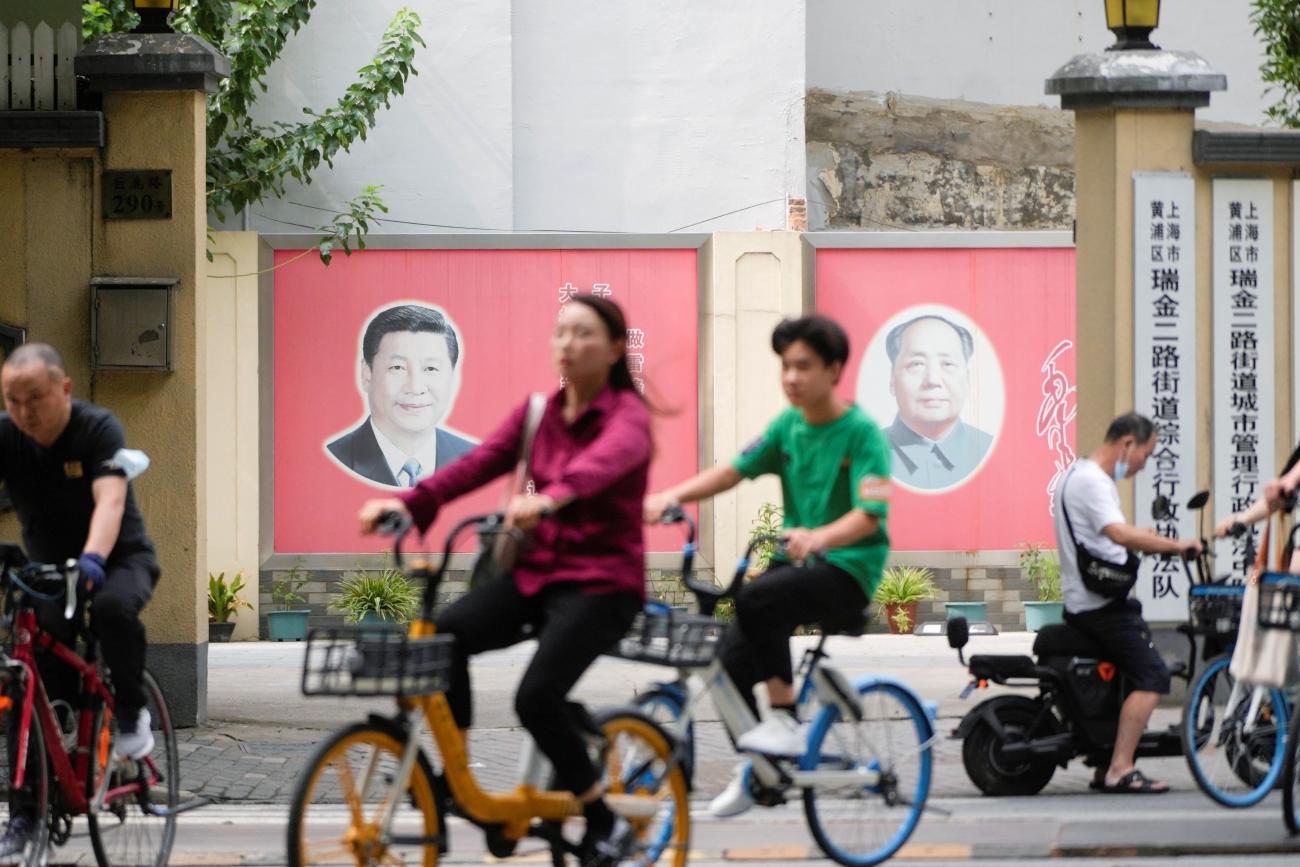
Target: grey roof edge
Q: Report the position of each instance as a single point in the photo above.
(1254, 146)
(939, 239)
(51, 129)
(504, 241)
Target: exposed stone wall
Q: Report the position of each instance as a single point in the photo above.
(882, 161)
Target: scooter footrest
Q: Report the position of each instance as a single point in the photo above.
(996, 668)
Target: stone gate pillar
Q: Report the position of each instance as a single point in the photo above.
(153, 87)
(1134, 112)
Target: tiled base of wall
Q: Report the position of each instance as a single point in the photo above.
(1003, 590)
(322, 588)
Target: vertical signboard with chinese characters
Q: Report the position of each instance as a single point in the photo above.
(1243, 348)
(1164, 372)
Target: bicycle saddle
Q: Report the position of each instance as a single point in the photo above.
(1061, 639)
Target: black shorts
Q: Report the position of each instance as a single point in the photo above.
(1126, 638)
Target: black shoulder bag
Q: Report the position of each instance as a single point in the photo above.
(1112, 580)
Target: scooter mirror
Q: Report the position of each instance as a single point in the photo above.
(958, 633)
(1160, 508)
(1198, 500)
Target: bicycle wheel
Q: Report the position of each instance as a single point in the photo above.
(1235, 753)
(864, 821)
(37, 782)
(337, 811)
(1291, 778)
(638, 762)
(664, 705)
(121, 832)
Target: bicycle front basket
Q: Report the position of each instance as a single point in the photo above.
(370, 662)
(1279, 601)
(667, 637)
(1215, 609)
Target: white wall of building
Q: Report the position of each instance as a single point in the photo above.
(1001, 51)
(617, 116)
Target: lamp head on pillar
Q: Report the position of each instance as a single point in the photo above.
(153, 15)
(1132, 22)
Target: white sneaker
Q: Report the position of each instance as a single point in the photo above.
(778, 735)
(138, 743)
(737, 797)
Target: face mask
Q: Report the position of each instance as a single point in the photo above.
(1121, 469)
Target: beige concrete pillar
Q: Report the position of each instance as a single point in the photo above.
(1134, 111)
(154, 89)
(750, 282)
(228, 413)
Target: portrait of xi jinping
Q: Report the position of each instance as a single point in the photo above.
(407, 376)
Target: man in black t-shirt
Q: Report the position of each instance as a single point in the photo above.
(61, 461)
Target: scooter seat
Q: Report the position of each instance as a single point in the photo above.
(998, 668)
(1061, 639)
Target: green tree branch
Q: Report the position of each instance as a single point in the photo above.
(1277, 23)
(248, 162)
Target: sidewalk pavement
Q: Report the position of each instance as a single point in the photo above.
(262, 730)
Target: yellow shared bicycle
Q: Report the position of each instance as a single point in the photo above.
(371, 794)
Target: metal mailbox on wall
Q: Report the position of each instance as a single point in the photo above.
(131, 323)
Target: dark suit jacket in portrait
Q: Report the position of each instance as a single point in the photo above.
(924, 464)
(359, 451)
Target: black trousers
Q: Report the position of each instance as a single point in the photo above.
(115, 622)
(768, 609)
(572, 628)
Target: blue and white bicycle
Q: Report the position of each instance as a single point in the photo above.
(865, 774)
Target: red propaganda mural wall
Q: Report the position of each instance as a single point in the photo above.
(437, 397)
(966, 359)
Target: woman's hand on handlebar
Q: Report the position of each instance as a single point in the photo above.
(525, 512)
(652, 510)
(373, 510)
(800, 544)
(1189, 548)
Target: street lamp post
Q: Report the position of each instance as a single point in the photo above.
(153, 15)
(1132, 22)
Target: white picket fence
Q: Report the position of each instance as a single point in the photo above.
(36, 67)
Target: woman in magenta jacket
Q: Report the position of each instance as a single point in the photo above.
(582, 579)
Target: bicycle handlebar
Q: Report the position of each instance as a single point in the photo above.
(61, 579)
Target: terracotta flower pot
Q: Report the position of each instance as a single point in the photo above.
(910, 608)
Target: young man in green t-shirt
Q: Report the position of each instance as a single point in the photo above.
(834, 465)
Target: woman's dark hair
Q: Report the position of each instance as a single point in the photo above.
(1139, 427)
(620, 375)
(824, 336)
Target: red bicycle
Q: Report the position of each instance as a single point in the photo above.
(130, 806)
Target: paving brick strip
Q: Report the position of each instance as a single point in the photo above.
(241, 762)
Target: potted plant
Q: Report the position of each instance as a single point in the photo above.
(901, 590)
(288, 623)
(379, 598)
(1044, 572)
(223, 601)
(770, 522)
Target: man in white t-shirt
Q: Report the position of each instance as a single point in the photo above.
(1088, 514)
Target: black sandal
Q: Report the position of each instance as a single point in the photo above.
(1144, 785)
